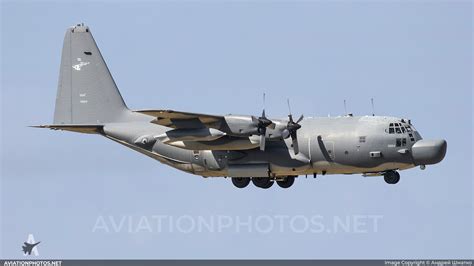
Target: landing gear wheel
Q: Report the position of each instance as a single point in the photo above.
(391, 177)
(287, 182)
(262, 182)
(240, 182)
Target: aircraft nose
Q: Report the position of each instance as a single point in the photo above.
(429, 151)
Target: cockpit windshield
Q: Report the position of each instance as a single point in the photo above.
(402, 128)
(399, 128)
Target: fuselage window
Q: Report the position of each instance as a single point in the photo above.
(401, 142)
(362, 139)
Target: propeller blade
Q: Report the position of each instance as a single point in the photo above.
(262, 142)
(254, 120)
(263, 122)
(291, 128)
(290, 117)
(299, 119)
(263, 109)
(289, 107)
(294, 141)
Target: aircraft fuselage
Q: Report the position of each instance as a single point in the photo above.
(328, 145)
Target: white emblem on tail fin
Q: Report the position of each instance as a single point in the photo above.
(81, 64)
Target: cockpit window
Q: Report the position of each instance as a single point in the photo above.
(399, 128)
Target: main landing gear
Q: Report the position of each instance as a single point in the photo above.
(241, 182)
(391, 177)
(263, 182)
(286, 182)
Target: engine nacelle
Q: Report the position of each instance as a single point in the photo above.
(221, 144)
(199, 134)
(239, 125)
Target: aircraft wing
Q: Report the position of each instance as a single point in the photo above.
(184, 120)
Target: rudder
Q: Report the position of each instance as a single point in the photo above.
(87, 93)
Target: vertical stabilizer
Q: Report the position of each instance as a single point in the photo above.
(87, 93)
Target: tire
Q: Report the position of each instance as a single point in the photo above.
(262, 182)
(287, 182)
(240, 182)
(391, 177)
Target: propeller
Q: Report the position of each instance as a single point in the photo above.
(262, 123)
(291, 129)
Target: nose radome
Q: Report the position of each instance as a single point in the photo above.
(428, 151)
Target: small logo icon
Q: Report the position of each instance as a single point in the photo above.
(80, 65)
(30, 246)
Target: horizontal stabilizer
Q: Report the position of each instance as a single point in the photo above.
(90, 129)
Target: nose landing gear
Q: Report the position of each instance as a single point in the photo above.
(391, 177)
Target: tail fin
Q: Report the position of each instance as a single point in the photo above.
(87, 93)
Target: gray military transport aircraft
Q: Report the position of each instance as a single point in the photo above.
(245, 148)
